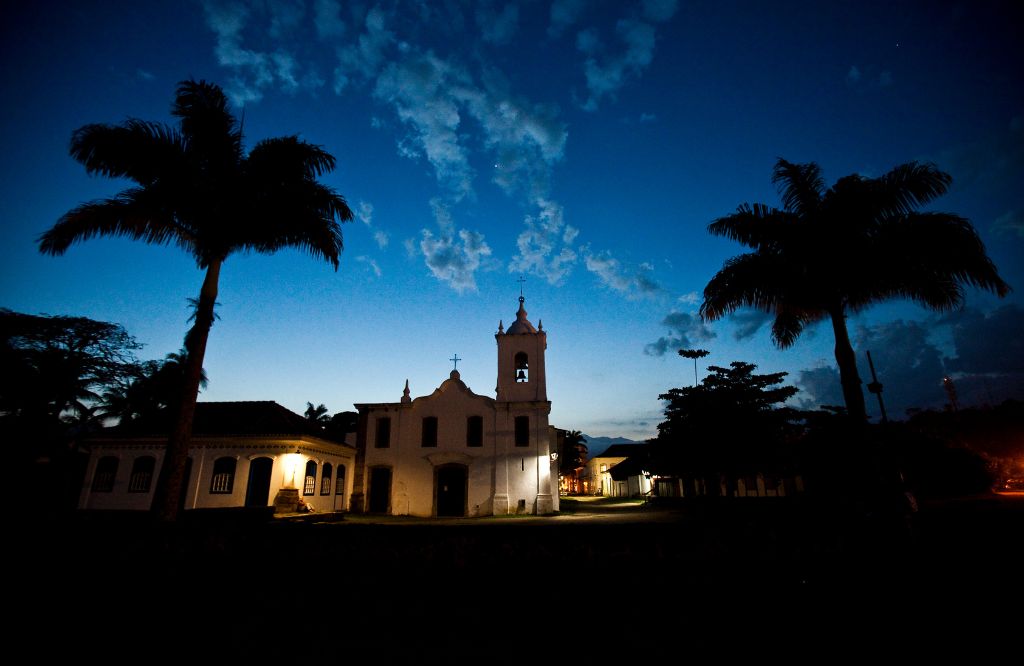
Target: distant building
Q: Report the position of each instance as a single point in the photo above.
(598, 479)
(457, 453)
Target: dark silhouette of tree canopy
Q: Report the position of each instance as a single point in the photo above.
(341, 424)
(152, 392)
(317, 415)
(196, 188)
(732, 423)
(52, 368)
(833, 251)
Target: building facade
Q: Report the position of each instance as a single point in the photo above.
(457, 453)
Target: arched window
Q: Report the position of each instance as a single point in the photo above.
(522, 367)
(223, 481)
(325, 479)
(309, 487)
(429, 431)
(522, 431)
(475, 431)
(106, 472)
(339, 484)
(142, 474)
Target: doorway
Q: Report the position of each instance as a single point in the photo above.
(257, 492)
(450, 489)
(380, 489)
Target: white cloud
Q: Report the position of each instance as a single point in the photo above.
(365, 57)
(632, 284)
(691, 298)
(607, 76)
(455, 260)
(364, 212)
(381, 238)
(371, 263)
(545, 246)
(420, 89)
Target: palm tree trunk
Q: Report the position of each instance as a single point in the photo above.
(847, 362)
(169, 488)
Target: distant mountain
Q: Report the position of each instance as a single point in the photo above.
(598, 445)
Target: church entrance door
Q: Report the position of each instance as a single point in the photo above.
(380, 489)
(450, 483)
(257, 492)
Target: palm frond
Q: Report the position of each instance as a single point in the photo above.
(282, 157)
(748, 280)
(140, 150)
(800, 186)
(133, 214)
(754, 225)
(209, 128)
(857, 202)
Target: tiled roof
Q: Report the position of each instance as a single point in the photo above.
(263, 417)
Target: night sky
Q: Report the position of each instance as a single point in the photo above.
(583, 145)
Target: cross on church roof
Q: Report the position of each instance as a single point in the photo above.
(521, 280)
(455, 359)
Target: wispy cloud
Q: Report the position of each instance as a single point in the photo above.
(1010, 222)
(327, 19)
(685, 330)
(633, 284)
(364, 213)
(606, 73)
(690, 298)
(371, 263)
(546, 245)
(748, 322)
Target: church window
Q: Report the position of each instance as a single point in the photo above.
(475, 431)
(142, 474)
(325, 479)
(106, 472)
(522, 431)
(522, 367)
(309, 485)
(383, 439)
(339, 484)
(429, 431)
(223, 482)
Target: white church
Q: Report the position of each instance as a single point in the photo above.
(450, 453)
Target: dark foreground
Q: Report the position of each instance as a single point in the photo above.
(777, 578)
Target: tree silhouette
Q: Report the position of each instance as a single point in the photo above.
(694, 354)
(732, 423)
(831, 252)
(151, 394)
(317, 415)
(197, 188)
(572, 458)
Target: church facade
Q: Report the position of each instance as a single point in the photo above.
(457, 453)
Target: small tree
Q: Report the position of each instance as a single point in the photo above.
(572, 458)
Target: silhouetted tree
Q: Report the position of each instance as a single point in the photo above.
(341, 424)
(834, 251)
(694, 354)
(728, 425)
(151, 394)
(317, 415)
(572, 458)
(196, 188)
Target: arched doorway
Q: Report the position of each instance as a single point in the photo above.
(257, 492)
(450, 483)
(380, 489)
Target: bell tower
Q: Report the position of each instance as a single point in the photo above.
(521, 360)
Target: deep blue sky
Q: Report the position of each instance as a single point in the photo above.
(585, 145)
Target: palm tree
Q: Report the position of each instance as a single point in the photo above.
(196, 188)
(317, 415)
(831, 252)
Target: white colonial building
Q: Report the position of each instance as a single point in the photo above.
(457, 453)
(242, 454)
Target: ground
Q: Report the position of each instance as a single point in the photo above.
(616, 571)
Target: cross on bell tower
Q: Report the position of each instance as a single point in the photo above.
(521, 358)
